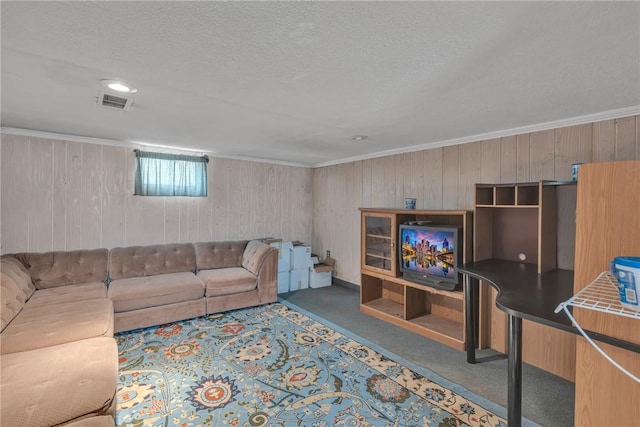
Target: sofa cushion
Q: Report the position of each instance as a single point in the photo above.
(142, 292)
(253, 256)
(226, 281)
(46, 325)
(141, 261)
(52, 269)
(15, 289)
(52, 385)
(68, 293)
(219, 254)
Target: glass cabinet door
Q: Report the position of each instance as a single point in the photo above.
(378, 243)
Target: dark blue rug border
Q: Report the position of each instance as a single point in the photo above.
(425, 372)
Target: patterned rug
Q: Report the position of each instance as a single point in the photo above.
(275, 366)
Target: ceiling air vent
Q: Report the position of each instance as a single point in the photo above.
(114, 101)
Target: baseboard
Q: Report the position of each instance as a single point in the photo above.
(345, 284)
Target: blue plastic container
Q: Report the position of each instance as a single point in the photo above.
(627, 271)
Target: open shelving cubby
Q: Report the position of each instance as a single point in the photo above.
(385, 294)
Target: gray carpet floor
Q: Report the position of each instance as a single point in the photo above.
(546, 399)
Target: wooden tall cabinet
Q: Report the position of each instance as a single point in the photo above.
(385, 294)
(607, 225)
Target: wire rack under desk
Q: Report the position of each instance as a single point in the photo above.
(600, 295)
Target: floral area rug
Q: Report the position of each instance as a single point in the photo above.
(274, 366)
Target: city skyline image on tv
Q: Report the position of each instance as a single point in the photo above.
(429, 251)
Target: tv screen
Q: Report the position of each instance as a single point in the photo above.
(429, 254)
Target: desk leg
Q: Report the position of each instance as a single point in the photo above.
(514, 385)
(470, 319)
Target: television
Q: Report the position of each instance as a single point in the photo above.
(430, 253)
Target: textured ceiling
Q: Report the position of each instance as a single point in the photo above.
(294, 81)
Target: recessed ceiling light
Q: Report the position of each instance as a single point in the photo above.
(359, 137)
(119, 86)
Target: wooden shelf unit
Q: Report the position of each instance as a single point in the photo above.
(434, 313)
(534, 223)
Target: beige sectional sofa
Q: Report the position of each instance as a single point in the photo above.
(60, 309)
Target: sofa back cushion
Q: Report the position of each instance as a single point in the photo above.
(253, 256)
(16, 288)
(219, 254)
(141, 261)
(53, 269)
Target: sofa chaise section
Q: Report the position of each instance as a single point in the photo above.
(47, 325)
(237, 274)
(59, 360)
(59, 384)
(65, 298)
(152, 285)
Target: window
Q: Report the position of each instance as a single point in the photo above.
(159, 174)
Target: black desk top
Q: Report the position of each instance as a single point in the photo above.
(522, 292)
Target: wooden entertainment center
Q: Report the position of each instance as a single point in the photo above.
(385, 294)
(534, 221)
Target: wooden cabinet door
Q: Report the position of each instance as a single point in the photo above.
(379, 234)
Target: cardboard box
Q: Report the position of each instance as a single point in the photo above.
(320, 275)
(283, 281)
(299, 279)
(284, 253)
(301, 256)
(319, 279)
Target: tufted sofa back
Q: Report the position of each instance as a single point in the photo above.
(139, 261)
(53, 269)
(15, 288)
(219, 254)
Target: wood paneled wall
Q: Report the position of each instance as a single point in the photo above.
(63, 195)
(444, 178)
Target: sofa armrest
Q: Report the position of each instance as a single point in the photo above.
(262, 260)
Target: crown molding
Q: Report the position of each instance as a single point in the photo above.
(589, 118)
(580, 120)
(140, 145)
